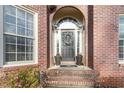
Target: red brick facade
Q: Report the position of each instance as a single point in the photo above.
(106, 40)
(101, 41)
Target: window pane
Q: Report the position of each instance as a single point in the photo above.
(10, 19)
(121, 28)
(20, 14)
(30, 25)
(9, 10)
(20, 31)
(121, 42)
(20, 48)
(10, 48)
(29, 48)
(121, 49)
(120, 56)
(29, 32)
(29, 17)
(121, 34)
(21, 22)
(10, 39)
(10, 57)
(20, 56)
(21, 40)
(10, 28)
(29, 56)
(29, 41)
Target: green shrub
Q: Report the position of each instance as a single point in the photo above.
(24, 78)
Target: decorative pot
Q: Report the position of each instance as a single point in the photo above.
(79, 59)
(58, 59)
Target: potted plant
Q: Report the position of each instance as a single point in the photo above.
(58, 59)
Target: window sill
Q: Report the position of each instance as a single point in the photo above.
(121, 61)
(20, 64)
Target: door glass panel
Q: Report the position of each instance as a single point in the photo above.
(68, 49)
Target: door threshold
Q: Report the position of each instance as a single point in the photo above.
(68, 65)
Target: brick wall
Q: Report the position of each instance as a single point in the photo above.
(106, 45)
(42, 36)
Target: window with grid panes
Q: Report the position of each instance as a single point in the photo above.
(18, 35)
(121, 37)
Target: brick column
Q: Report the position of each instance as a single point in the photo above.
(90, 36)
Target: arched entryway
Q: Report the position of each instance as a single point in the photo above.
(68, 38)
(68, 33)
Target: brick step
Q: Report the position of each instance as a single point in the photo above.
(74, 75)
(86, 73)
(66, 81)
(71, 80)
(70, 84)
(68, 78)
(71, 77)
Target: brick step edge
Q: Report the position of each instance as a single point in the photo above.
(60, 86)
(71, 73)
(73, 76)
(85, 84)
(71, 82)
(70, 79)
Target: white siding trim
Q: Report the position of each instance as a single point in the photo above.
(21, 64)
(121, 61)
(1, 35)
(36, 38)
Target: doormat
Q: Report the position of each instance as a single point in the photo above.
(68, 65)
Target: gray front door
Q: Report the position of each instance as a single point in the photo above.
(68, 45)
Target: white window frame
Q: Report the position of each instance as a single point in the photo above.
(35, 41)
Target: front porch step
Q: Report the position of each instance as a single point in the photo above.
(70, 77)
(66, 84)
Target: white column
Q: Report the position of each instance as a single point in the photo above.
(55, 43)
(76, 31)
(59, 38)
(80, 42)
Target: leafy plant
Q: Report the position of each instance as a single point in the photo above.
(25, 78)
